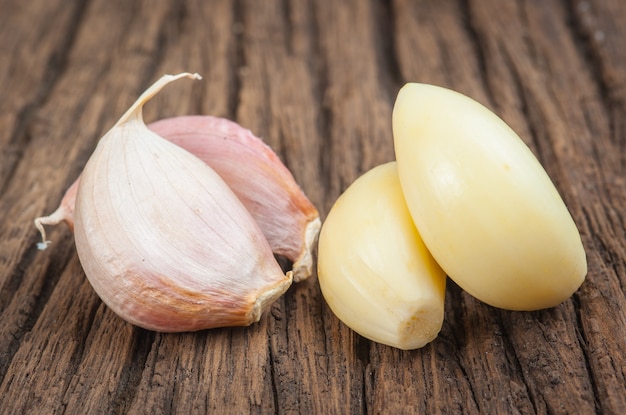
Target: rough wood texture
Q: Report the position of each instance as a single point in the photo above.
(316, 80)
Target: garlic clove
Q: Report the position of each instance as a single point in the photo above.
(257, 176)
(252, 170)
(163, 240)
(374, 271)
(486, 208)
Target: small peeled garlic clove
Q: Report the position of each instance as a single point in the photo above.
(252, 170)
(163, 240)
(486, 208)
(256, 175)
(373, 268)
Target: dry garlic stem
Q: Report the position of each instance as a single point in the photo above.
(373, 268)
(256, 175)
(486, 208)
(163, 240)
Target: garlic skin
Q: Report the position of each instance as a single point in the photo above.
(254, 173)
(373, 268)
(163, 240)
(484, 205)
(257, 176)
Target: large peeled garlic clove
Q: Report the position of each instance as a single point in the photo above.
(163, 240)
(252, 170)
(486, 208)
(256, 175)
(373, 268)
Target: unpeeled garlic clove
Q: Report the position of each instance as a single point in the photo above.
(373, 268)
(486, 208)
(163, 240)
(252, 170)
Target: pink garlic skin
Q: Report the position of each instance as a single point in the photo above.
(254, 173)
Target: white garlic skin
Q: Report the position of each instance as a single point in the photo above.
(163, 240)
(373, 268)
(484, 205)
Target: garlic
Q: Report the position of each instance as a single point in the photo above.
(484, 205)
(163, 240)
(252, 170)
(373, 268)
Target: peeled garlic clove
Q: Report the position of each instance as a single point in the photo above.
(484, 205)
(256, 175)
(163, 240)
(373, 268)
(252, 170)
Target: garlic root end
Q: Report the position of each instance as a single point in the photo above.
(269, 296)
(303, 266)
(420, 328)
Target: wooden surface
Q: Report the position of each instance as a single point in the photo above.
(317, 80)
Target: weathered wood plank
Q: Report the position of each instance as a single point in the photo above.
(279, 100)
(317, 81)
(31, 61)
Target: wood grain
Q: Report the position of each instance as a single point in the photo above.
(316, 80)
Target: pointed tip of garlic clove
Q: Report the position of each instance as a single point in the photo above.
(63, 213)
(134, 112)
(303, 266)
(39, 222)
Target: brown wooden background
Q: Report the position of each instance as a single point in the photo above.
(317, 80)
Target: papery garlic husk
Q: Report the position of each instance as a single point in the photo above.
(163, 240)
(484, 205)
(253, 171)
(374, 271)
